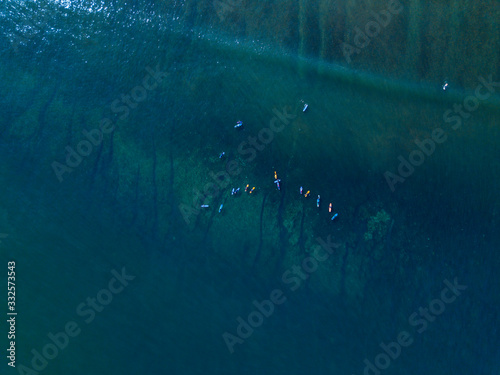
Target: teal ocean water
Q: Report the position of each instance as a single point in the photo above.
(118, 124)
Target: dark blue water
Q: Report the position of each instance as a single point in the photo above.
(114, 116)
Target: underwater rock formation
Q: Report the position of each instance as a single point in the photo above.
(378, 226)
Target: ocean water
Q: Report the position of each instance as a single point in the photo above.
(114, 117)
